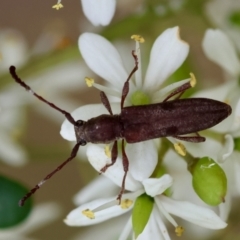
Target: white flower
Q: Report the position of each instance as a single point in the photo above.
(222, 14)
(167, 55)
(103, 209)
(99, 12)
(220, 50)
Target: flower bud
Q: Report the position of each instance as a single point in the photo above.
(141, 212)
(209, 181)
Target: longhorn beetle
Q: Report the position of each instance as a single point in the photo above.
(173, 118)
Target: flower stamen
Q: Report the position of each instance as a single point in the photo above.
(107, 151)
(58, 5)
(88, 213)
(180, 148)
(179, 231)
(193, 80)
(126, 203)
(89, 81)
(138, 38)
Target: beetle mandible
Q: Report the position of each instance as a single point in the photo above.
(174, 118)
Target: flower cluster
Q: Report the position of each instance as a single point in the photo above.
(148, 185)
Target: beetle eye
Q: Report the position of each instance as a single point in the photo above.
(83, 142)
(79, 123)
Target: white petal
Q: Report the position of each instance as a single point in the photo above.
(84, 113)
(226, 149)
(156, 186)
(142, 158)
(201, 216)
(155, 227)
(76, 217)
(103, 58)
(167, 55)
(220, 50)
(109, 229)
(126, 231)
(99, 159)
(225, 208)
(95, 190)
(99, 12)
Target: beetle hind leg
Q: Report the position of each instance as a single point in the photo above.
(195, 139)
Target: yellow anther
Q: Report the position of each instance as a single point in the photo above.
(193, 80)
(179, 231)
(58, 5)
(89, 81)
(126, 203)
(138, 38)
(88, 213)
(107, 151)
(180, 148)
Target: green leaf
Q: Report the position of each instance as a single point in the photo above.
(10, 193)
(209, 181)
(141, 212)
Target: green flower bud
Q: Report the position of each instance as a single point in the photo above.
(141, 212)
(209, 181)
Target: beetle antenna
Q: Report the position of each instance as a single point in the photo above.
(69, 117)
(33, 190)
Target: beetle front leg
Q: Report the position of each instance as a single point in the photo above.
(114, 154)
(105, 102)
(125, 89)
(125, 169)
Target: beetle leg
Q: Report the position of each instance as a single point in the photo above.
(125, 168)
(180, 90)
(125, 89)
(114, 154)
(196, 139)
(105, 102)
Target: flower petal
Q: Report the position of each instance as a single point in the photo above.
(201, 216)
(103, 58)
(84, 113)
(167, 55)
(226, 149)
(220, 50)
(77, 218)
(95, 190)
(98, 159)
(99, 12)
(142, 157)
(156, 186)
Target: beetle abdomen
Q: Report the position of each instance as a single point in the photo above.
(172, 118)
